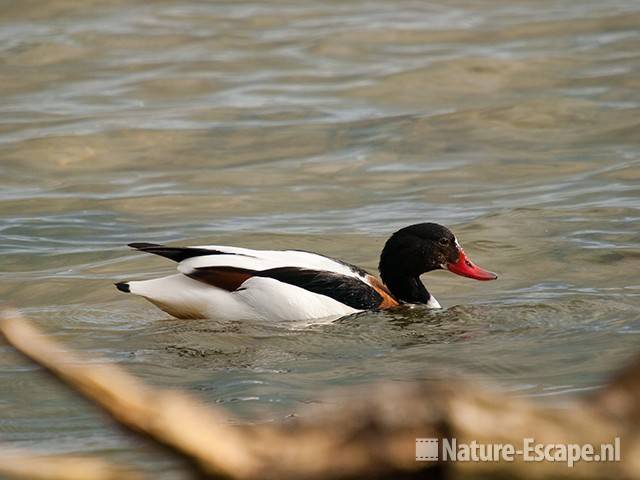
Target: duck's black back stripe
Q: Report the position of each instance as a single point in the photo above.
(176, 254)
(354, 268)
(345, 289)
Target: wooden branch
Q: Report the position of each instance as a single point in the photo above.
(171, 418)
(49, 467)
(621, 398)
(372, 435)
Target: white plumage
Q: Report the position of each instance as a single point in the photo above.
(258, 298)
(264, 260)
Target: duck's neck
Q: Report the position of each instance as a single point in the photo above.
(405, 288)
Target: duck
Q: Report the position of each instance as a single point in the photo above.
(233, 283)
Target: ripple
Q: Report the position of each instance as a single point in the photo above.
(321, 127)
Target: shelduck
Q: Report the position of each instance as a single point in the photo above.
(232, 283)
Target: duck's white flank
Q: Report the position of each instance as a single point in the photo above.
(257, 298)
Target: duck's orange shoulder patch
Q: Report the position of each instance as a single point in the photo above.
(387, 299)
(226, 278)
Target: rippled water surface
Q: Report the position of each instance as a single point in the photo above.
(319, 126)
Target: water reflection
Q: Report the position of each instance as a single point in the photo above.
(321, 127)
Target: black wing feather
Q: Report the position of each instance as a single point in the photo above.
(345, 289)
(177, 254)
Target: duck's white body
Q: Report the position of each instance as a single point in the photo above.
(260, 299)
(231, 283)
(188, 295)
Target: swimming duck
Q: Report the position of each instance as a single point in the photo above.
(233, 283)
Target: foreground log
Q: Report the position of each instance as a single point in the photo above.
(173, 419)
(370, 436)
(48, 467)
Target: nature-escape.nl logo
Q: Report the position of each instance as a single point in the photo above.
(430, 449)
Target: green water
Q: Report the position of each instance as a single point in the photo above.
(322, 127)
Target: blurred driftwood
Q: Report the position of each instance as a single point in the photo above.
(171, 418)
(371, 436)
(30, 466)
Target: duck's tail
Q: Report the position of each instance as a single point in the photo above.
(178, 295)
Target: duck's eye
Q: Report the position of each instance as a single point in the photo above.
(443, 241)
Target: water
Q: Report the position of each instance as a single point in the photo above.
(322, 127)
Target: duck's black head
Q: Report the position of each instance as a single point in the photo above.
(418, 249)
